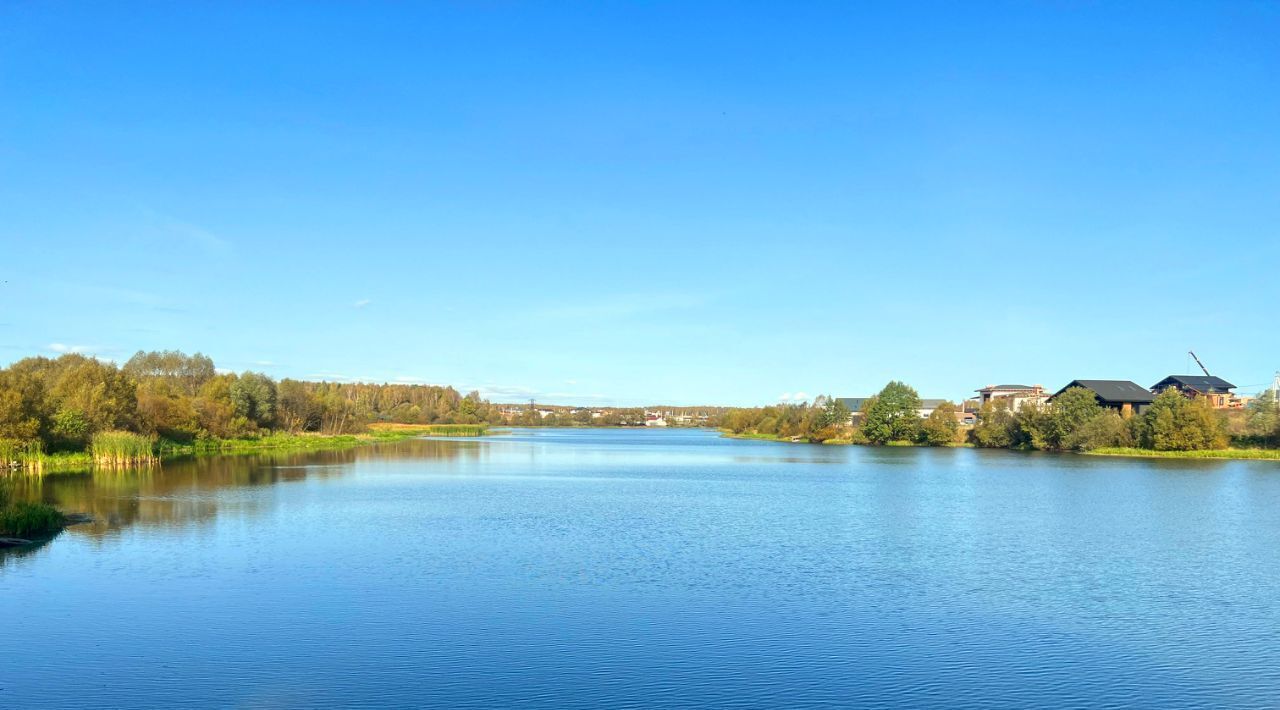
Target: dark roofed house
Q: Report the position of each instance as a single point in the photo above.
(1124, 396)
(1214, 389)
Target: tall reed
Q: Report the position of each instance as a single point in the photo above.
(122, 448)
(21, 454)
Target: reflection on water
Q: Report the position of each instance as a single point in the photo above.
(185, 492)
(611, 568)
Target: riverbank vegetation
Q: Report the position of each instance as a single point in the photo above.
(74, 409)
(24, 519)
(892, 417)
(1074, 421)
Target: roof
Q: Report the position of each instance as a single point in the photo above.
(854, 404)
(1199, 383)
(1008, 388)
(931, 403)
(1113, 390)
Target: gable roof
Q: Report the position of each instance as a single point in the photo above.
(1199, 383)
(931, 403)
(1008, 388)
(854, 404)
(1113, 390)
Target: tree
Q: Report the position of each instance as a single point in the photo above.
(1262, 419)
(996, 427)
(941, 426)
(253, 397)
(1175, 423)
(892, 415)
(1068, 414)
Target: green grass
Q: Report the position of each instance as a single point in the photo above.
(27, 519)
(23, 519)
(1257, 454)
(430, 429)
(122, 448)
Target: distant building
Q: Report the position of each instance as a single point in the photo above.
(1215, 390)
(855, 405)
(928, 405)
(1123, 396)
(1016, 395)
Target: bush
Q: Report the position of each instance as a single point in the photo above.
(23, 519)
(941, 427)
(996, 427)
(1107, 429)
(1175, 423)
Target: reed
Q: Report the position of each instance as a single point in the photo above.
(23, 519)
(16, 454)
(430, 429)
(122, 448)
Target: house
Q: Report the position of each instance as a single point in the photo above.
(855, 405)
(1016, 395)
(1123, 396)
(928, 405)
(1215, 390)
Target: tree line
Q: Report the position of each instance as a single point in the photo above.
(1072, 421)
(61, 403)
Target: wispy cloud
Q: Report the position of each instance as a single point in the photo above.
(76, 349)
(410, 380)
(362, 303)
(793, 397)
(191, 234)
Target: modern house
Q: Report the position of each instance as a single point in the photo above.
(1123, 396)
(1016, 395)
(928, 405)
(855, 404)
(1215, 390)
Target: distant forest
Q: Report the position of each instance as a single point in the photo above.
(60, 403)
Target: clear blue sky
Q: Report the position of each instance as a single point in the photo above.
(649, 202)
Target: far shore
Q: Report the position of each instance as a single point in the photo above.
(1220, 454)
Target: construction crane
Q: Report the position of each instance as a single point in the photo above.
(1192, 353)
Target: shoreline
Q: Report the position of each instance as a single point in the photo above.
(165, 450)
(1211, 454)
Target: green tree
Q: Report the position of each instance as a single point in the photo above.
(892, 415)
(253, 397)
(996, 427)
(1069, 413)
(941, 426)
(1262, 420)
(1176, 423)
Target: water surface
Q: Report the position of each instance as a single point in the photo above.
(590, 568)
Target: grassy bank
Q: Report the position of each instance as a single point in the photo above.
(21, 519)
(122, 449)
(383, 428)
(1246, 454)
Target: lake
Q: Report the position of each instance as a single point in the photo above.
(649, 568)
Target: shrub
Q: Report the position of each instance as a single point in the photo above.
(23, 519)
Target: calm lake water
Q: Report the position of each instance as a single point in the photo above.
(614, 568)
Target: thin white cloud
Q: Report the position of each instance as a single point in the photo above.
(362, 303)
(409, 380)
(264, 363)
(192, 234)
(72, 349)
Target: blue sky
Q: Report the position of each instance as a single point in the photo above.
(652, 202)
